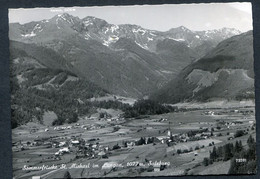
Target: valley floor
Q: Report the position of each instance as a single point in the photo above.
(37, 145)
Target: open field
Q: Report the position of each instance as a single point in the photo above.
(37, 145)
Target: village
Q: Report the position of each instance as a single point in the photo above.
(140, 146)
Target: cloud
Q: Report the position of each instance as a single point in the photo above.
(208, 24)
(245, 7)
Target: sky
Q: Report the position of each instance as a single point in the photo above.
(155, 17)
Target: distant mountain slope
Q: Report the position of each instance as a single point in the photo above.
(43, 55)
(98, 29)
(37, 88)
(127, 60)
(225, 72)
(175, 54)
(131, 71)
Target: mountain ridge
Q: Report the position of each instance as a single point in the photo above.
(226, 72)
(125, 59)
(92, 27)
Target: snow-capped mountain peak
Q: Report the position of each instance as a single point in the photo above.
(98, 29)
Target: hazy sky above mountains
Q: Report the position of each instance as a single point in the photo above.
(155, 17)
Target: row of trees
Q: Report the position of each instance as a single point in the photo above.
(147, 107)
(179, 151)
(194, 132)
(141, 107)
(243, 159)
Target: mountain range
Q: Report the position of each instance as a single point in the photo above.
(126, 59)
(107, 34)
(226, 72)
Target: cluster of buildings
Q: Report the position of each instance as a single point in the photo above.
(161, 120)
(82, 148)
(244, 112)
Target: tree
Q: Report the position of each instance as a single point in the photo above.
(150, 140)
(206, 161)
(141, 141)
(213, 154)
(243, 168)
(228, 148)
(73, 118)
(185, 151)
(102, 115)
(239, 133)
(219, 134)
(116, 147)
(125, 144)
(250, 141)
(67, 175)
(58, 121)
(252, 148)
(238, 146)
(228, 133)
(233, 167)
(179, 151)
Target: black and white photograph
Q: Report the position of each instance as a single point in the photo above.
(132, 91)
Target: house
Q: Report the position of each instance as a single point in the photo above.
(205, 137)
(183, 140)
(210, 113)
(87, 144)
(64, 150)
(197, 135)
(162, 139)
(55, 144)
(57, 128)
(130, 144)
(251, 122)
(46, 143)
(101, 153)
(61, 144)
(75, 142)
(36, 177)
(169, 133)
